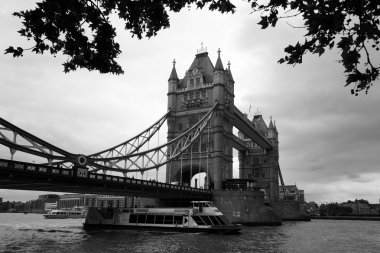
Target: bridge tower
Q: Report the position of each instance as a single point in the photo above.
(262, 165)
(189, 99)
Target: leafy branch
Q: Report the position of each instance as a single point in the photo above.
(56, 26)
(352, 24)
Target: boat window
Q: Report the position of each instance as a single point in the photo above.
(221, 221)
(210, 204)
(150, 218)
(214, 220)
(141, 218)
(168, 219)
(178, 219)
(198, 220)
(195, 204)
(133, 218)
(159, 219)
(207, 220)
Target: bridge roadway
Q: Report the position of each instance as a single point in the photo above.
(29, 176)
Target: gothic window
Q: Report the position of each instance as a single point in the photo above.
(225, 148)
(192, 83)
(203, 147)
(195, 146)
(210, 146)
(180, 126)
(197, 94)
(198, 81)
(204, 94)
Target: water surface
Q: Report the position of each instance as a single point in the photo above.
(33, 233)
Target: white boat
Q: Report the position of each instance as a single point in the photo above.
(65, 214)
(203, 216)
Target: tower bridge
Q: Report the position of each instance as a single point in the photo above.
(200, 119)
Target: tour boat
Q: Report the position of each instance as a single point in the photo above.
(203, 216)
(65, 214)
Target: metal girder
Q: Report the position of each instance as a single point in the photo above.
(17, 139)
(134, 144)
(159, 156)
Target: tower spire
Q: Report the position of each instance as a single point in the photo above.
(271, 126)
(173, 74)
(219, 64)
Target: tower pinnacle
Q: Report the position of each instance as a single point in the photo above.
(173, 74)
(219, 64)
(202, 49)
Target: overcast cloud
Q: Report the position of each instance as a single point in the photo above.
(329, 139)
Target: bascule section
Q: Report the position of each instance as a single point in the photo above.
(203, 87)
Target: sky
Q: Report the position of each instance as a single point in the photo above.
(329, 140)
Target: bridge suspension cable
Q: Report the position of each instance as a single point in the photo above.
(158, 156)
(19, 140)
(132, 145)
(125, 157)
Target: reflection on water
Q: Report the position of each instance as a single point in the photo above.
(33, 233)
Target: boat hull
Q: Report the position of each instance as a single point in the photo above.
(217, 230)
(48, 216)
(186, 220)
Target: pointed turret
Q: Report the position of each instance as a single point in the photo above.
(272, 131)
(172, 89)
(271, 126)
(219, 64)
(173, 74)
(231, 79)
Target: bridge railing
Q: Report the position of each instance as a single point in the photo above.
(84, 174)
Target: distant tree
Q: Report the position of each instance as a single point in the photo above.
(81, 29)
(334, 209)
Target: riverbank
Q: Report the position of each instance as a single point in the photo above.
(371, 218)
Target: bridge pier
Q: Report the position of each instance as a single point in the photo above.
(246, 207)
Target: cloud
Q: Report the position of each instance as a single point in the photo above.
(329, 139)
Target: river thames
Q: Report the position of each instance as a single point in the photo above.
(33, 233)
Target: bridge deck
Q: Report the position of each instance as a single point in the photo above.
(25, 176)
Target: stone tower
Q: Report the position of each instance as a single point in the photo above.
(259, 164)
(189, 99)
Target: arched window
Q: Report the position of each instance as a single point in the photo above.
(192, 83)
(198, 81)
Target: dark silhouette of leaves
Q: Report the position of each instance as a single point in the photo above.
(81, 30)
(351, 26)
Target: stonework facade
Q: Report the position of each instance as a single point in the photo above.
(189, 99)
(261, 165)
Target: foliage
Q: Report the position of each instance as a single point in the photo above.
(352, 26)
(81, 29)
(334, 209)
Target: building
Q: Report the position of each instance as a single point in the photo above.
(291, 192)
(312, 208)
(259, 164)
(38, 205)
(362, 207)
(68, 201)
(189, 99)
